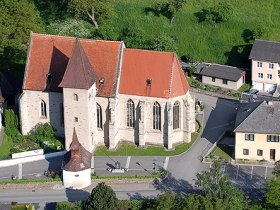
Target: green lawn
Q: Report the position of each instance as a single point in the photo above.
(5, 148)
(221, 43)
(132, 150)
(223, 151)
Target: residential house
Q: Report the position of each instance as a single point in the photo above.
(109, 93)
(265, 56)
(221, 75)
(257, 131)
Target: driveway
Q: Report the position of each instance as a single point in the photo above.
(219, 116)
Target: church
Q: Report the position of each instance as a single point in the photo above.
(109, 93)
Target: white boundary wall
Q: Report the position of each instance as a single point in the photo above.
(5, 163)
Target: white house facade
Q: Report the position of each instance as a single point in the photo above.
(109, 93)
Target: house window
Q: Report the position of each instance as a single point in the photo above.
(249, 137)
(61, 114)
(269, 76)
(75, 96)
(260, 75)
(213, 79)
(260, 152)
(271, 65)
(99, 116)
(245, 151)
(225, 81)
(43, 109)
(156, 116)
(259, 64)
(272, 138)
(176, 115)
(130, 115)
(76, 119)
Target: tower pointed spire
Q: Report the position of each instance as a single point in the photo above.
(79, 73)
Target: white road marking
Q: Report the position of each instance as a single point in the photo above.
(166, 163)
(127, 162)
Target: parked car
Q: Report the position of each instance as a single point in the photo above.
(252, 91)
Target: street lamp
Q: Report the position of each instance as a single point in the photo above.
(154, 168)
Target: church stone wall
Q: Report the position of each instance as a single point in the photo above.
(80, 114)
(30, 110)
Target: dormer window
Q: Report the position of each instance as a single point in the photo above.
(149, 81)
(75, 96)
(101, 81)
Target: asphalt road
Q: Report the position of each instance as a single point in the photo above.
(219, 116)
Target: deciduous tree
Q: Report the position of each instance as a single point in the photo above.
(17, 19)
(216, 185)
(102, 197)
(95, 10)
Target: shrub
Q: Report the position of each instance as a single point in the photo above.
(10, 119)
(44, 130)
(219, 13)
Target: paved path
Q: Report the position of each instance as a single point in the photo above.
(219, 114)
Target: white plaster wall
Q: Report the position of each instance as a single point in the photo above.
(77, 180)
(219, 82)
(84, 109)
(157, 137)
(30, 110)
(102, 135)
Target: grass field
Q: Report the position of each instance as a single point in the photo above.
(5, 148)
(132, 150)
(223, 151)
(221, 43)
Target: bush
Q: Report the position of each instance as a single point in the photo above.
(44, 130)
(219, 13)
(10, 121)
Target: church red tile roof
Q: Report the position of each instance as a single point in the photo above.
(51, 53)
(49, 56)
(77, 158)
(161, 68)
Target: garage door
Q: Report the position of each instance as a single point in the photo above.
(258, 86)
(269, 87)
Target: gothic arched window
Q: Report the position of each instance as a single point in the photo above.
(156, 116)
(130, 116)
(176, 115)
(75, 96)
(99, 116)
(43, 109)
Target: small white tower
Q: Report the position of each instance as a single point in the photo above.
(77, 168)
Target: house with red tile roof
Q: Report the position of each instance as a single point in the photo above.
(109, 93)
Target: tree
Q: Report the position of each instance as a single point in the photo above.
(133, 37)
(216, 185)
(17, 19)
(101, 197)
(276, 170)
(95, 10)
(164, 201)
(72, 27)
(272, 194)
(161, 43)
(219, 13)
(170, 8)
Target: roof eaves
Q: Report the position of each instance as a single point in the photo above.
(116, 86)
(171, 76)
(28, 61)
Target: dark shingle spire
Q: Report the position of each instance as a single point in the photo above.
(79, 73)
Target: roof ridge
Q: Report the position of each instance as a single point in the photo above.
(71, 37)
(83, 63)
(263, 40)
(249, 114)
